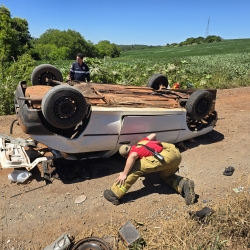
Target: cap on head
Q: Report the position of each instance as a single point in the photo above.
(124, 150)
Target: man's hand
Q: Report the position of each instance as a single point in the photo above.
(129, 164)
(121, 179)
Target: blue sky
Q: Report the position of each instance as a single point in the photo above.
(146, 22)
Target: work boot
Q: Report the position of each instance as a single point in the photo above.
(110, 196)
(187, 190)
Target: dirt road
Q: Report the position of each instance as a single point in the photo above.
(34, 214)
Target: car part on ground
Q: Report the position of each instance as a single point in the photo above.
(202, 214)
(90, 243)
(19, 176)
(19, 153)
(129, 233)
(63, 242)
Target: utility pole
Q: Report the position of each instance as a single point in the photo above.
(207, 30)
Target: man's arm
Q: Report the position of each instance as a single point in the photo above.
(87, 74)
(129, 164)
(88, 77)
(71, 73)
(152, 137)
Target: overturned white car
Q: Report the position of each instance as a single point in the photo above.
(92, 120)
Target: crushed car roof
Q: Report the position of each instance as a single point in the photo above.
(114, 95)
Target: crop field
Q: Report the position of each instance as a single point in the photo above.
(219, 48)
(219, 65)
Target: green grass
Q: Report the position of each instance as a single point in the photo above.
(219, 48)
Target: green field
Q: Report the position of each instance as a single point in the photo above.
(219, 48)
(219, 65)
(223, 64)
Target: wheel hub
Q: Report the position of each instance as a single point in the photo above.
(91, 243)
(201, 107)
(65, 107)
(42, 78)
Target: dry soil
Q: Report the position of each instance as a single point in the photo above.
(34, 214)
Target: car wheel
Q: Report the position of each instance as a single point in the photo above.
(91, 243)
(199, 104)
(63, 106)
(157, 80)
(43, 71)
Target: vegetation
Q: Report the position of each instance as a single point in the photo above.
(190, 67)
(14, 38)
(55, 44)
(222, 48)
(188, 41)
(200, 40)
(137, 47)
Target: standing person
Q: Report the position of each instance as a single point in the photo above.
(140, 160)
(79, 70)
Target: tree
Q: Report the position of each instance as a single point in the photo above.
(51, 52)
(22, 34)
(213, 38)
(200, 39)
(105, 48)
(6, 36)
(71, 41)
(14, 37)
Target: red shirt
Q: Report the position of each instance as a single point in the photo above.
(144, 152)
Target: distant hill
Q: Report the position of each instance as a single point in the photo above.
(158, 52)
(137, 46)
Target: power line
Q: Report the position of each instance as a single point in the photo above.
(207, 30)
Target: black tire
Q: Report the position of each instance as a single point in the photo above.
(63, 106)
(199, 104)
(91, 243)
(157, 80)
(43, 71)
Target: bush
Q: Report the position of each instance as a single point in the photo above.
(17, 71)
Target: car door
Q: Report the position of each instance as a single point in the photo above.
(167, 127)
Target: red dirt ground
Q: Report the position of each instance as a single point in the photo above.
(34, 214)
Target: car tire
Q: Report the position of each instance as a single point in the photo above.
(43, 71)
(157, 80)
(63, 106)
(199, 104)
(91, 243)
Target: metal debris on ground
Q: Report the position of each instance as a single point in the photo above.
(61, 243)
(201, 214)
(229, 171)
(129, 233)
(238, 189)
(91, 243)
(19, 176)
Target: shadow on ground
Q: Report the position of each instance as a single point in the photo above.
(69, 171)
(209, 138)
(151, 184)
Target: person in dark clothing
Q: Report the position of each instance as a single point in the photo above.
(79, 70)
